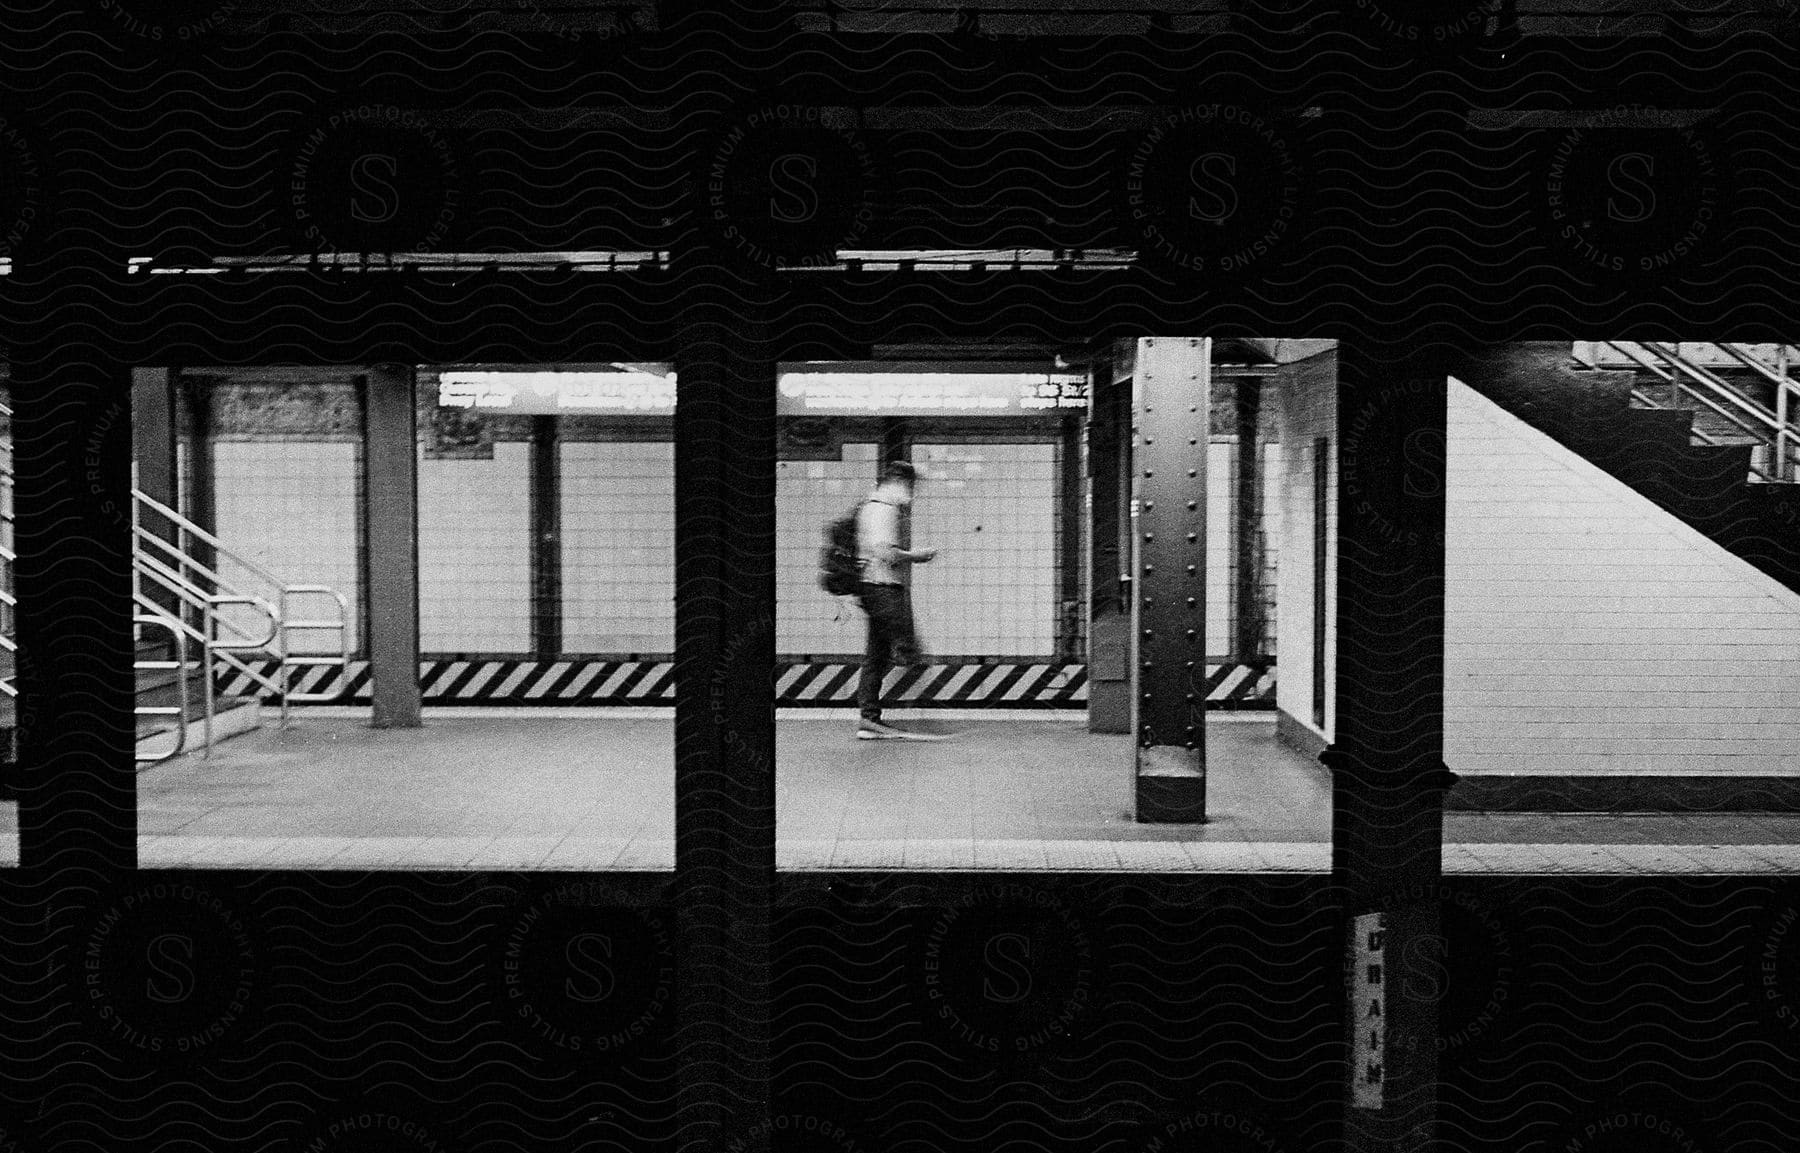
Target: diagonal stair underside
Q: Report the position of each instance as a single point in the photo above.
(1590, 412)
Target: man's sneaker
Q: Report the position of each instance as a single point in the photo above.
(876, 731)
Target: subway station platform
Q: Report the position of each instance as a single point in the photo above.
(585, 793)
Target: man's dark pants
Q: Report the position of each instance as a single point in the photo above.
(891, 640)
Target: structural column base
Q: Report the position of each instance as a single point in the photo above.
(1171, 785)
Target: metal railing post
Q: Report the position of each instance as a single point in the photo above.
(179, 664)
(281, 651)
(1770, 427)
(206, 651)
(137, 580)
(201, 590)
(1784, 462)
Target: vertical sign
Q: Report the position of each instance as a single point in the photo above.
(1368, 1011)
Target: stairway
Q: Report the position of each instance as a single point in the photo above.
(161, 688)
(1661, 452)
(1653, 450)
(221, 627)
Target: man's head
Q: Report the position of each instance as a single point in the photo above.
(898, 478)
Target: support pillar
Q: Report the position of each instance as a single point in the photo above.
(1388, 775)
(1109, 622)
(725, 447)
(546, 539)
(153, 453)
(1247, 534)
(197, 395)
(1171, 414)
(1069, 559)
(391, 544)
(77, 780)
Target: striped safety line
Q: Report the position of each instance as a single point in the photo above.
(949, 684)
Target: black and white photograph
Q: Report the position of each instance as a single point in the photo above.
(897, 576)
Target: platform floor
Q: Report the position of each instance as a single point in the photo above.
(536, 791)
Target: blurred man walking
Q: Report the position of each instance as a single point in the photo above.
(885, 595)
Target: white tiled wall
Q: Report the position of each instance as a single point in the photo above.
(989, 592)
(1589, 632)
(991, 509)
(475, 553)
(1306, 409)
(290, 506)
(809, 494)
(618, 547)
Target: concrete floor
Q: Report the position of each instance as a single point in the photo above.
(504, 790)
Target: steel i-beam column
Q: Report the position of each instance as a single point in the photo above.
(1170, 391)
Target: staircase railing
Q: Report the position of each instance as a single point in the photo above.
(181, 666)
(1771, 427)
(1787, 406)
(193, 593)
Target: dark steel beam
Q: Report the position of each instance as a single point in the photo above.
(725, 451)
(1386, 759)
(1171, 415)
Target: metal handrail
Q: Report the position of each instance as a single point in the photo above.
(288, 659)
(224, 656)
(203, 590)
(1651, 367)
(285, 590)
(1776, 421)
(196, 597)
(215, 646)
(1786, 431)
(1649, 401)
(191, 529)
(180, 665)
(1714, 385)
(1671, 379)
(1737, 353)
(217, 599)
(1712, 381)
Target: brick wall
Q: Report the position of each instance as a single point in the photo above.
(1590, 633)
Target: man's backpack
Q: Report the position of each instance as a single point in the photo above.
(840, 569)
